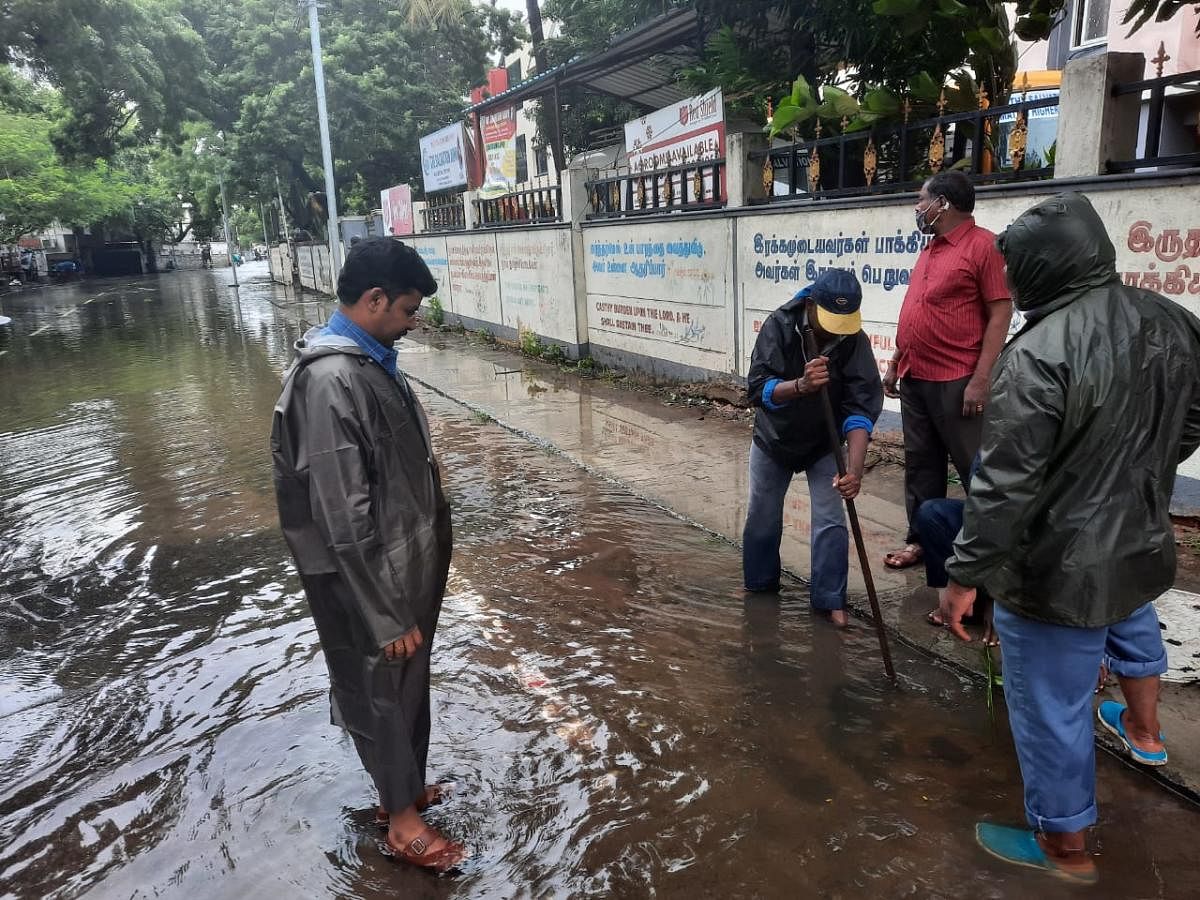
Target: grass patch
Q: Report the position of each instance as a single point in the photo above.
(481, 418)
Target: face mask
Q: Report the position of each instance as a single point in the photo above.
(924, 225)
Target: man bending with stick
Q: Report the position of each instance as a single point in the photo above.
(790, 436)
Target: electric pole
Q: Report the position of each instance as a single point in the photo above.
(225, 225)
(335, 241)
(282, 212)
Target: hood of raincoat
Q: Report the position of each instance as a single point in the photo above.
(1056, 251)
(1093, 405)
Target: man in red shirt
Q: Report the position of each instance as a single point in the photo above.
(953, 325)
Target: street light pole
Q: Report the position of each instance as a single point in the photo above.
(335, 243)
(225, 225)
(282, 212)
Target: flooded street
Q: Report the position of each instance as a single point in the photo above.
(616, 723)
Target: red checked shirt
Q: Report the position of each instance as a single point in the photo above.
(944, 314)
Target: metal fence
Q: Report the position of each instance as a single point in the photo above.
(694, 186)
(530, 207)
(1150, 139)
(988, 143)
(444, 212)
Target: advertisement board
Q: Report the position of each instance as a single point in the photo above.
(396, 203)
(690, 131)
(499, 130)
(444, 157)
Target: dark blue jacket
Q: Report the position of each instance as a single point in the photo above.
(794, 434)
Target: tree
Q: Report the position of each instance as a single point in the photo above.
(37, 189)
(128, 70)
(1037, 18)
(388, 81)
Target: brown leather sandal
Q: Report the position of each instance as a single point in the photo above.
(905, 558)
(434, 794)
(418, 852)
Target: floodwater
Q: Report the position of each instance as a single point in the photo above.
(616, 723)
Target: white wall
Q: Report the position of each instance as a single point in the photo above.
(662, 290)
(521, 279)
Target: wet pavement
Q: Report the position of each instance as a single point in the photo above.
(615, 721)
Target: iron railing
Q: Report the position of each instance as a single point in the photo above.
(694, 186)
(1150, 139)
(444, 212)
(901, 157)
(529, 207)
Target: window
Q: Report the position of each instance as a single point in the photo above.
(514, 71)
(540, 165)
(1091, 22)
(522, 160)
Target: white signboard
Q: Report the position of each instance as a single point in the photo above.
(444, 159)
(474, 276)
(690, 131)
(537, 282)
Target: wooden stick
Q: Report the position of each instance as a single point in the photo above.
(811, 351)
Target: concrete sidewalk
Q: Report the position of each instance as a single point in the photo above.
(692, 461)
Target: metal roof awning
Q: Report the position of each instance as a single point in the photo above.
(637, 67)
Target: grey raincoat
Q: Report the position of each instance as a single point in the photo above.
(362, 510)
(1093, 405)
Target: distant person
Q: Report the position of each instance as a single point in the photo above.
(953, 323)
(1094, 404)
(362, 509)
(790, 434)
(205, 256)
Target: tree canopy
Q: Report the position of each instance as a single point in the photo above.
(128, 71)
(388, 81)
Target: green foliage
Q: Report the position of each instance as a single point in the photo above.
(586, 366)
(1036, 18)
(37, 188)
(437, 314)
(554, 354)
(389, 79)
(530, 343)
(130, 71)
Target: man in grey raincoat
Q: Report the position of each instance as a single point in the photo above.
(362, 509)
(1093, 405)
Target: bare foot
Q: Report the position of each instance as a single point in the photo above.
(990, 638)
(839, 618)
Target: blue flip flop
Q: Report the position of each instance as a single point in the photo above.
(1020, 847)
(1109, 714)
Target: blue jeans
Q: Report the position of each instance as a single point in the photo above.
(1049, 680)
(769, 482)
(937, 524)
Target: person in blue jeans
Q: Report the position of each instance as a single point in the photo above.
(1093, 405)
(790, 433)
(938, 523)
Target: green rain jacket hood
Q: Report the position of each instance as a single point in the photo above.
(1093, 405)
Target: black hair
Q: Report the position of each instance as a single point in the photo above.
(382, 262)
(955, 187)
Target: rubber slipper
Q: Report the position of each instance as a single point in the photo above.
(1109, 714)
(1020, 847)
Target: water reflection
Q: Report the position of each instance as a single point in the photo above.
(614, 723)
